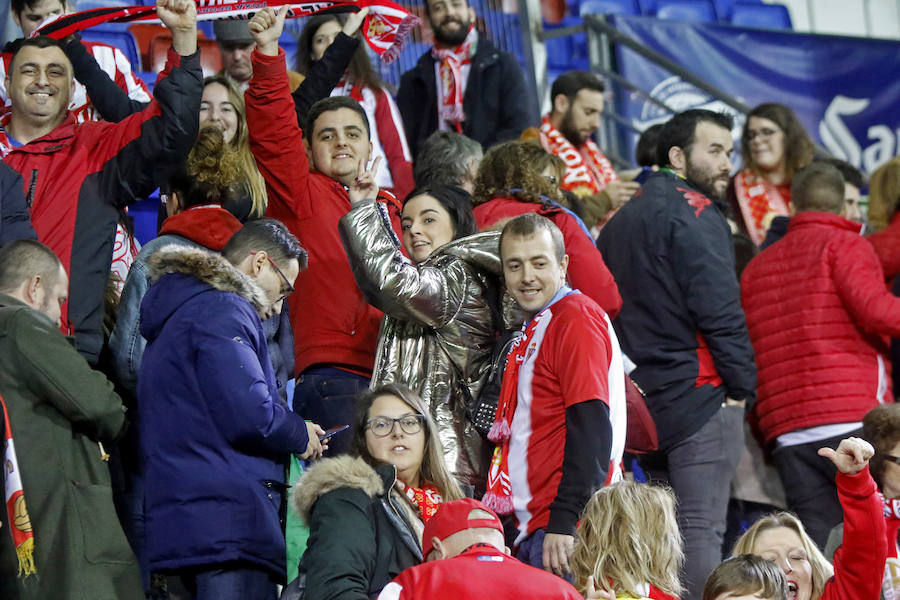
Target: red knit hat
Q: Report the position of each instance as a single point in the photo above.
(452, 517)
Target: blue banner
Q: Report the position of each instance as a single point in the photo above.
(845, 90)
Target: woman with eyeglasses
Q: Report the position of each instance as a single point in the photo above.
(366, 512)
(774, 147)
(519, 177)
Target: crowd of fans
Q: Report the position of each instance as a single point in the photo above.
(437, 347)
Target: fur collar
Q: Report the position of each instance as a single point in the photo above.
(208, 267)
(333, 473)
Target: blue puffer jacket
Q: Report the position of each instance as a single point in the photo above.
(214, 433)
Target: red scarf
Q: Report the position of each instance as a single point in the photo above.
(451, 104)
(759, 202)
(498, 496)
(426, 498)
(385, 27)
(587, 168)
(16, 513)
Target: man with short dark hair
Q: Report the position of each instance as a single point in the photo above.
(671, 253)
(819, 316)
(214, 433)
(448, 158)
(307, 173)
(62, 517)
(466, 557)
(560, 425)
(576, 107)
(78, 177)
(463, 84)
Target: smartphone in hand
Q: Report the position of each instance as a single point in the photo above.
(332, 431)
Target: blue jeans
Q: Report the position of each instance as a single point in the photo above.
(531, 552)
(239, 581)
(700, 469)
(327, 396)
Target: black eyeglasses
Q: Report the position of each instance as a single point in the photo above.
(384, 426)
(764, 133)
(289, 289)
(893, 459)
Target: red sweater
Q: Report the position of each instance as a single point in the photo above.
(887, 247)
(856, 572)
(817, 311)
(587, 271)
(332, 322)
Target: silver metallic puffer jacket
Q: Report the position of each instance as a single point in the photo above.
(437, 333)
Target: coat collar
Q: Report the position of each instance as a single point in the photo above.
(810, 217)
(210, 268)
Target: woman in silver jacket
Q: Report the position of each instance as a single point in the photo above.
(439, 327)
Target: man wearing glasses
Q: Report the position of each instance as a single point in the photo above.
(214, 433)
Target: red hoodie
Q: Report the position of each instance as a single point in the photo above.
(332, 322)
(209, 225)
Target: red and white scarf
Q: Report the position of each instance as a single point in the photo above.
(16, 513)
(426, 498)
(450, 86)
(385, 28)
(891, 583)
(498, 496)
(759, 202)
(587, 168)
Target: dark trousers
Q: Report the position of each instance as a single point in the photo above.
(700, 468)
(327, 396)
(238, 581)
(809, 485)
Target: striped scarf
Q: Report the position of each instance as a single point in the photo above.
(16, 513)
(385, 28)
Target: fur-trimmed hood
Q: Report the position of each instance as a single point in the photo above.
(210, 268)
(334, 473)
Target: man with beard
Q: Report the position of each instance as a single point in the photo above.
(464, 84)
(577, 98)
(681, 323)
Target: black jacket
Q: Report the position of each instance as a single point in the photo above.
(670, 250)
(497, 102)
(362, 531)
(15, 223)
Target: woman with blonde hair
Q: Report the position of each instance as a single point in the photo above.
(628, 544)
(366, 512)
(519, 177)
(884, 199)
(781, 538)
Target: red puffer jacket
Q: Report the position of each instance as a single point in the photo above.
(887, 247)
(818, 310)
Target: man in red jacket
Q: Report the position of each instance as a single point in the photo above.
(818, 313)
(467, 558)
(307, 174)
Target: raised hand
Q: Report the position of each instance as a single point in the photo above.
(851, 456)
(180, 16)
(266, 27)
(354, 21)
(364, 186)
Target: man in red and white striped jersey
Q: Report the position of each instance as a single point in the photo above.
(560, 423)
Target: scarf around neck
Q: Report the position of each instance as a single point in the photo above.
(450, 86)
(587, 168)
(759, 202)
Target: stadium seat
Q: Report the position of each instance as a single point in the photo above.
(686, 10)
(607, 7)
(724, 8)
(120, 38)
(648, 7)
(763, 16)
(289, 43)
(569, 52)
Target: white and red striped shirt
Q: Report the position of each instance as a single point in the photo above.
(573, 356)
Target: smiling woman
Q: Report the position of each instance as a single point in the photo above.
(440, 310)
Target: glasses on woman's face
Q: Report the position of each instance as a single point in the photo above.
(763, 134)
(893, 459)
(384, 426)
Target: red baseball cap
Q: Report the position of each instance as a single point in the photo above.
(452, 517)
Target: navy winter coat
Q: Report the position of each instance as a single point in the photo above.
(214, 435)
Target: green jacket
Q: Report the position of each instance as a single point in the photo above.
(58, 409)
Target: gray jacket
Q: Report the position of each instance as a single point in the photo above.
(438, 332)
